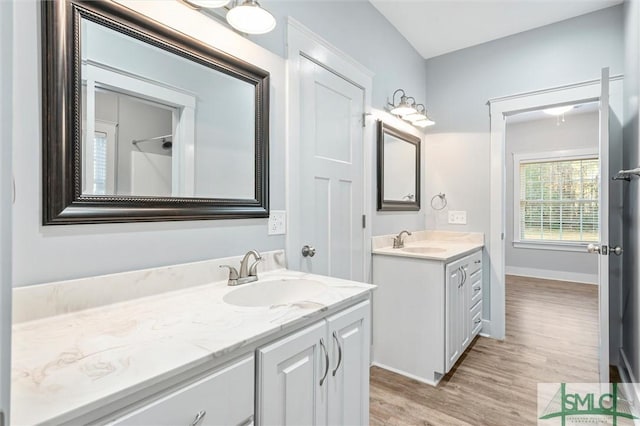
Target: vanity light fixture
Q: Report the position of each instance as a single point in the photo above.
(416, 116)
(404, 107)
(408, 110)
(249, 17)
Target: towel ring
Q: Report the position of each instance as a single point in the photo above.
(443, 201)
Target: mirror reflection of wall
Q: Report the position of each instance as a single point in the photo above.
(399, 169)
(133, 91)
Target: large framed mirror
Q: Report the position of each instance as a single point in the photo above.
(143, 123)
(398, 169)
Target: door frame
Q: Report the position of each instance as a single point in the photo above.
(6, 207)
(500, 109)
(303, 43)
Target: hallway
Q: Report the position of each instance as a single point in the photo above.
(552, 336)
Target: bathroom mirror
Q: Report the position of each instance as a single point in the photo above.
(143, 123)
(398, 169)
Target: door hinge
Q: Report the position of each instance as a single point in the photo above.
(364, 119)
(502, 236)
(364, 221)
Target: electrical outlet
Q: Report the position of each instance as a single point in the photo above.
(458, 217)
(277, 222)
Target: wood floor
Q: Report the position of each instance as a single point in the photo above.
(551, 336)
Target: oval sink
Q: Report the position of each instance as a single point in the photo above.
(424, 250)
(274, 292)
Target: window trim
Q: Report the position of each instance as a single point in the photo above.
(537, 157)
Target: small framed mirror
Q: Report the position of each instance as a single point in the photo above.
(398, 169)
(144, 123)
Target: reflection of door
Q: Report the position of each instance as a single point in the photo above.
(100, 160)
(331, 173)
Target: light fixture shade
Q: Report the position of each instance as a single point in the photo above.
(403, 108)
(558, 110)
(248, 17)
(415, 117)
(424, 123)
(209, 4)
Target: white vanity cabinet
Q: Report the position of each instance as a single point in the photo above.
(224, 397)
(463, 305)
(426, 312)
(319, 375)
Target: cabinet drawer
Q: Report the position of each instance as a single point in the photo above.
(475, 262)
(476, 319)
(476, 288)
(224, 397)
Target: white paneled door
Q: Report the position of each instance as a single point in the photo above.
(331, 174)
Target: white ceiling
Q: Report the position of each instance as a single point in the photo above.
(435, 27)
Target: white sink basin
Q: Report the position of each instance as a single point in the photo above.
(424, 250)
(274, 292)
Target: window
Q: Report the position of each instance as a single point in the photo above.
(556, 197)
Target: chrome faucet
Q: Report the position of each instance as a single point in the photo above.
(398, 241)
(247, 274)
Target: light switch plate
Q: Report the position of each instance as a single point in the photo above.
(458, 217)
(277, 222)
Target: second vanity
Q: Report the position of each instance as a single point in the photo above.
(428, 304)
(178, 346)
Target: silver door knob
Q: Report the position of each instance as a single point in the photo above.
(308, 251)
(593, 248)
(617, 250)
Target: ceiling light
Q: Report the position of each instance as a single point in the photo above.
(404, 107)
(250, 18)
(209, 4)
(558, 110)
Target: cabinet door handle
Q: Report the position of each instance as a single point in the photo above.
(199, 418)
(326, 361)
(459, 277)
(335, 336)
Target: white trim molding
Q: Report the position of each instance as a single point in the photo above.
(549, 274)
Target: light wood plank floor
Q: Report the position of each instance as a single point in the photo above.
(551, 336)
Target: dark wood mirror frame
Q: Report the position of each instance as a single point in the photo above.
(63, 201)
(396, 205)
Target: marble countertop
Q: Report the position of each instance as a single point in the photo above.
(70, 364)
(441, 245)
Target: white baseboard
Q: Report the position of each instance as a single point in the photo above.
(628, 382)
(404, 373)
(486, 329)
(548, 274)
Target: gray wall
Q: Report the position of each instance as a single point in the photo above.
(631, 197)
(460, 83)
(578, 131)
(358, 29)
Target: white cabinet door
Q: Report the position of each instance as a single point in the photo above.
(349, 333)
(292, 379)
(221, 398)
(452, 323)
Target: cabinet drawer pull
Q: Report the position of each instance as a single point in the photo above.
(477, 262)
(478, 321)
(335, 336)
(326, 361)
(199, 418)
(477, 289)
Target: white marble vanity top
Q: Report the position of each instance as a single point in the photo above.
(69, 364)
(444, 246)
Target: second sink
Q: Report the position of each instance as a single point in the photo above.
(275, 292)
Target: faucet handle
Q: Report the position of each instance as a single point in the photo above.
(253, 269)
(233, 272)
